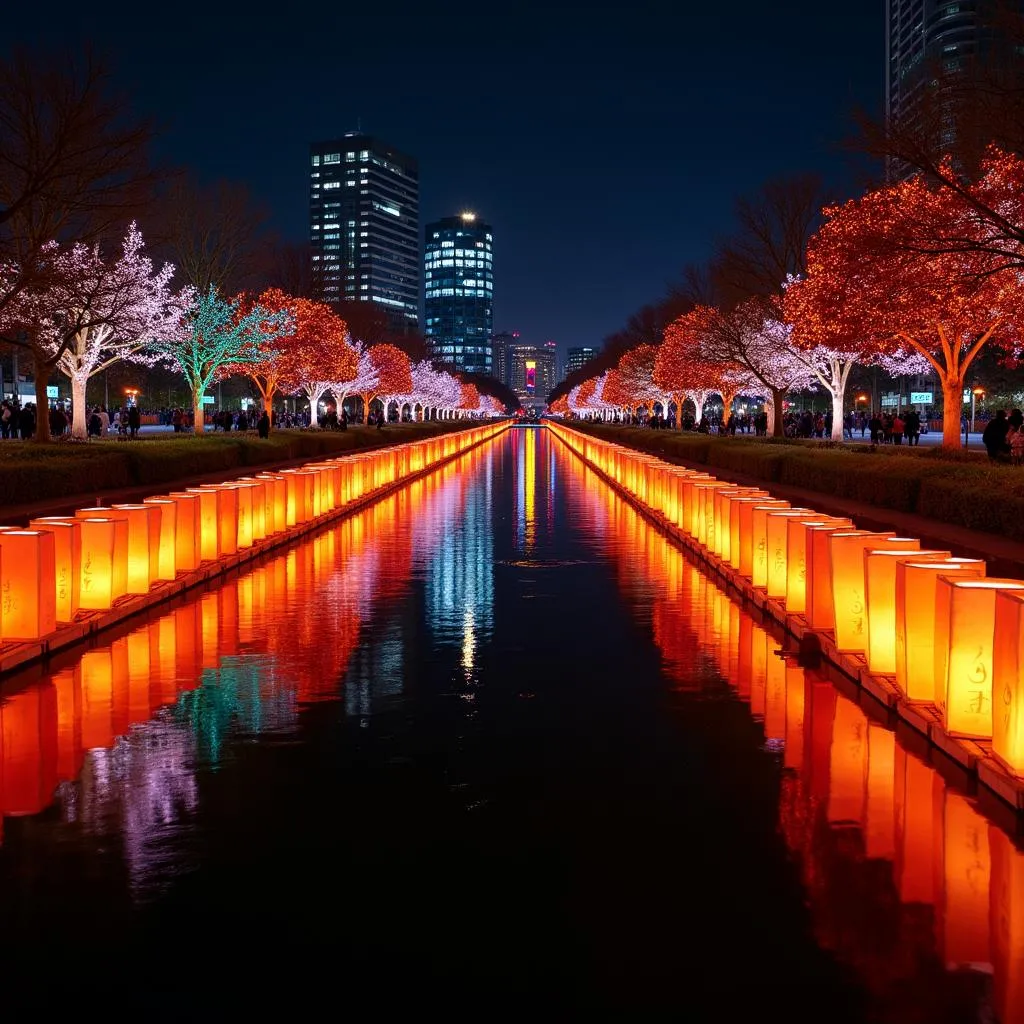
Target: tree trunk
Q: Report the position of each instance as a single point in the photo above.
(42, 372)
(198, 417)
(952, 410)
(837, 415)
(314, 405)
(775, 427)
(79, 412)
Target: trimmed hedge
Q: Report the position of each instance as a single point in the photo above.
(30, 472)
(957, 488)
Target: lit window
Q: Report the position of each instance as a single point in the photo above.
(332, 184)
(332, 158)
(364, 154)
(350, 156)
(316, 161)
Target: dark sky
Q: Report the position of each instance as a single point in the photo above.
(606, 145)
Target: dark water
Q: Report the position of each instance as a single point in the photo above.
(491, 746)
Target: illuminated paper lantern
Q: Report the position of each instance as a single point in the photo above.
(1008, 681)
(723, 516)
(777, 550)
(880, 601)
(97, 591)
(705, 495)
(296, 499)
(188, 530)
(165, 568)
(746, 533)
(277, 502)
(796, 558)
(209, 534)
(227, 517)
(915, 620)
(818, 575)
(965, 612)
(243, 521)
(28, 584)
(143, 544)
(846, 554)
(67, 542)
(689, 501)
(262, 506)
(759, 539)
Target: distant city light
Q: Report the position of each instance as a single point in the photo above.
(468, 217)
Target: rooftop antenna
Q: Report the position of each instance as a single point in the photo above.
(359, 125)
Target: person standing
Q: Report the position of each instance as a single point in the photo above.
(912, 427)
(134, 421)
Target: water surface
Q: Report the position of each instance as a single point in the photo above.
(492, 744)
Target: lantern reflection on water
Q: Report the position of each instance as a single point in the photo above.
(964, 630)
(28, 750)
(28, 588)
(880, 600)
(67, 553)
(1007, 673)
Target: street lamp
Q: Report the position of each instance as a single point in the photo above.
(975, 394)
(131, 394)
(861, 398)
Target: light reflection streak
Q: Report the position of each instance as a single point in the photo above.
(906, 881)
(116, 738)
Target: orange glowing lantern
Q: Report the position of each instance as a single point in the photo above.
(797, 539)
(724, 499)
(277, 502)
(143, 544)
(67, 541)
(165, 549)
(760, 552)
(689, 499)
(777, 538)
(846, 554)
(1007, 677)
(704, 492)
(188, 526)
(262, 505)
(28, 584)
(915, 621)
(818, 575)
(746, 532)
(227, 517)
(100, 581)
(880, 600)
(243, 523)
(965, 611)
(209, 535)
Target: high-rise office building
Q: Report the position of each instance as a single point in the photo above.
(534, 371)
(458, 288)
(364, 216)
(501, 351)
(578, 357)
(931, 41)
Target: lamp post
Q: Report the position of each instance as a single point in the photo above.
(975, 394)
(132, 395)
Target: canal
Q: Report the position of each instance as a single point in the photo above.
(491, 744)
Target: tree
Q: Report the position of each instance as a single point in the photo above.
(635, 380)
(212, 234)
(753, 339)
(906, 268)
(322, 356)
(470, 398)
(215, 334)
(832, 365)
(683, 370)
(390, 375)
(272, 361)
(365, 380)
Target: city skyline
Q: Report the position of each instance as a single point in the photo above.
(605, 169)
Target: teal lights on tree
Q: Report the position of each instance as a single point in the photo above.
(215, 333)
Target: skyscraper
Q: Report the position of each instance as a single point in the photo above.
(578, 357)
(458, 283)
(501, 350)
(930, 45)
(364, 217)
(534, 372)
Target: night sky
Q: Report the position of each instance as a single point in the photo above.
(606, 146)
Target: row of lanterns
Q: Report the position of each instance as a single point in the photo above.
(945, 632)
(61, 565)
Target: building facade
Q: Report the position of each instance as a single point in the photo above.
(501, 352)
(578, 357)
(458, 292)
(533, 372)
(364, 217)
